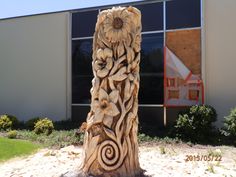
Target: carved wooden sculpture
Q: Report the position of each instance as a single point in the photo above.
(111, 146)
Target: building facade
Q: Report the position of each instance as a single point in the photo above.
(45, 60)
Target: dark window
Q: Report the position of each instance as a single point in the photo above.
(151, 119)
(83, 23)
(81, 70)
(152, 16)
(79, 114)
(151, 69)
(183, 14)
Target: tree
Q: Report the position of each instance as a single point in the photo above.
(111, 145)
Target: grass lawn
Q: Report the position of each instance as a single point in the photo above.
(10, 148)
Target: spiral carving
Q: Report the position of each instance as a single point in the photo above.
(109, 156)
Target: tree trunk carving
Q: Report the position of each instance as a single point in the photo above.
(110, 144)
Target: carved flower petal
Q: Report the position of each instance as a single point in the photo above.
(112, 110)
(114, 95)
(100, 54)
(102, 73)
(131, 77)
(96, 65)
(98, 117)
(95, 105)
(109, 63)
(107, 28)
(108, 53)
(103, 95)
(108, 120)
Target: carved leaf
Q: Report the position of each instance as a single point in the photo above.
(136, 61)
(135, 107)
(130, 54)
(103, 72)
(125, 148)
(129, 104)
(120, 50)
(130, 119)
(110, 133)
(111, 84)
(120, 75)
(109, 63)
(114, 96)
(92, 145)
(115, 67)
(108, 53)
(96, 82)
(103, 95)
(127, 90)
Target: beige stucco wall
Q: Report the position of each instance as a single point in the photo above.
(220, 55)
(33, 66)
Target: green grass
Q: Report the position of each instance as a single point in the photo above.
(10, 148)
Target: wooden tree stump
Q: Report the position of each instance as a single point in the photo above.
(110, 144)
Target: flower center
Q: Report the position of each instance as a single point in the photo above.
(104, 104)
(102, 65)
(117, 23)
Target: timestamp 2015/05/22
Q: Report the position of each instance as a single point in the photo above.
(190, 158)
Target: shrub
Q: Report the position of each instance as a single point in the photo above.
(144, 138)
(12, 134)
(196, 123)
(229, 128)
(14, 120)
(31, 122)
(5, 122)
(43, 126)
(57, 139)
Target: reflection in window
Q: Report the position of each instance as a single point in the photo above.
(151, 69)
(81, 70)
(152, 16)
(183, 14)
(83, 23)
(151, 119)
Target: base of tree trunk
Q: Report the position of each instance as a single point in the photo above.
(82, 174)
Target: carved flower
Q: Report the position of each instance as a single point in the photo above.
(105, 107)
(117, 24)
(103, 62)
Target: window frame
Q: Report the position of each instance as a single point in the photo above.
(164, 31)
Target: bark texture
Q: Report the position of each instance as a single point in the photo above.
(111, 145)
